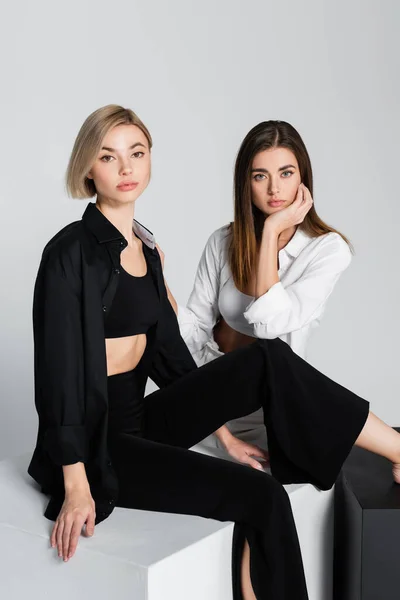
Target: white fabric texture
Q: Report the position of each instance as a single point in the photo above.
(309, 268)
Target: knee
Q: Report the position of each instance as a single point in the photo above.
(268, 494)
(273, 508)
(274, 489)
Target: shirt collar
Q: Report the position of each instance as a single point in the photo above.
(297, 243)
(105, 231)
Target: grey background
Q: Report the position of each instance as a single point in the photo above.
(200, 75)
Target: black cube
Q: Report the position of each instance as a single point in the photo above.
(367, 529)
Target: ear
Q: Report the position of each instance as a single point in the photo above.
(89, 175)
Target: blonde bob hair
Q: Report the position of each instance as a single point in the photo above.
(88, 144)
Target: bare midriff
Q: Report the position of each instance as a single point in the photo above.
(229, 339)
(124, 353)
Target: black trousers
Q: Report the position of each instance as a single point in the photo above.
(312, 423)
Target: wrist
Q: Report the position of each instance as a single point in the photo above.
(224, 436)
(77, 491)
(75, 479)
(270, 230)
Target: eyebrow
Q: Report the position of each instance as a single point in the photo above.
(130, 147)
(280, 169)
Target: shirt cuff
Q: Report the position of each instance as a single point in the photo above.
(268, 305)
(66, 444)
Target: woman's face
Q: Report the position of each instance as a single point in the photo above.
(275, 175)
(124, 158)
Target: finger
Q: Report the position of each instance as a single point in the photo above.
(307, 194)
(66, 536)
(256, 451)
(300, 194)
(59, 537)
(74, 537)
(307, 205)
(255, 464)
(90, 524)
(263, 453)
(306, 189)
(53, 535)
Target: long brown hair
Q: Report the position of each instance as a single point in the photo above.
(246, 229)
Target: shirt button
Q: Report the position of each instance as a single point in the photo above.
(116, 271)
(109, 463)
(122, 243)
(104, 308)
(111, 501)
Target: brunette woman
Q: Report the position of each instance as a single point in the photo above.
(267, 274)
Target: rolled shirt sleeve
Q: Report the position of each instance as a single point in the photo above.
(59, 364)
(282, 310)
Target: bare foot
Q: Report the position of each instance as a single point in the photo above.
(396, 472)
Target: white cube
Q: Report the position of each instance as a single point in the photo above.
(139, 555)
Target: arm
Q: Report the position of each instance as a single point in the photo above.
(197, 319)
(59, 361)
(171, 298)
(59, 394)
(277, 310)
(172, 357)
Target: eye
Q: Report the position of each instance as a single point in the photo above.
(106, 156)
(258, 175)
(290, 173)
(135, 154)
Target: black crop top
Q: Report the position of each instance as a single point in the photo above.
(135, 307)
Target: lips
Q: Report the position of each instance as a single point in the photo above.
(275, 202)
(127, 185)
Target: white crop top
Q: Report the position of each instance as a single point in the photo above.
(232, 305)
(309, 268)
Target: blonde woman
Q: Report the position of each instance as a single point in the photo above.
(103, 324)
(269, 273)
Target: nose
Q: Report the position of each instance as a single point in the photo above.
(126, 168)
(273, 187)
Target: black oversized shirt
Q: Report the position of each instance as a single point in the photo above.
(74, 289)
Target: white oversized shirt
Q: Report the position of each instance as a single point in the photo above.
(309, 268)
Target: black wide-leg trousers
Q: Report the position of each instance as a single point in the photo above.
(312, 423)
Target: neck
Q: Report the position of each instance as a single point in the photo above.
(121, 216)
